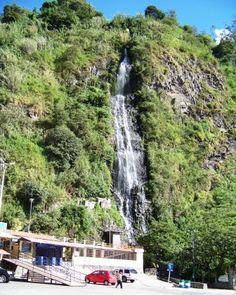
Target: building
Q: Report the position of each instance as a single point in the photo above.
(34, 252)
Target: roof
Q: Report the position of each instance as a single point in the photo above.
(51, 242)
(71, 245)
(5, 234)
(23, 234)
(3, 252)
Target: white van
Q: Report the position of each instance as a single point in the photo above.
(128, 274)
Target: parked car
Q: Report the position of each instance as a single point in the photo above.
(4, 276)
(128, 274)
(105, 277)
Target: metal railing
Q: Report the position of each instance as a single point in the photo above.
(69, 272)
(58, 273)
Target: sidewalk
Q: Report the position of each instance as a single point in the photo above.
(151, 280)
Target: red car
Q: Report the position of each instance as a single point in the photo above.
(105, 277)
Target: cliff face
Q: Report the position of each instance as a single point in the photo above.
(195, 89)
(194, 83)
(186, 82)
(186, 114)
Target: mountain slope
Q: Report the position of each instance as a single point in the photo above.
(58, 72)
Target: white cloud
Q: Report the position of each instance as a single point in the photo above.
(221, 34)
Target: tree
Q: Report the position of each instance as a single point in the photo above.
(65, 13)
(162, 243)
(152, 11)
(75, 220)
(226, 49)
(12, 13)
(62, 147)
(31, 189)
(215, 250)
(55, 17)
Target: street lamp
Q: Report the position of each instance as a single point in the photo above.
(193, 255)
(3, 167)
(31, 205)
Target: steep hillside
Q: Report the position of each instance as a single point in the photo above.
(56, 124)
(186, 115)
(58, 73)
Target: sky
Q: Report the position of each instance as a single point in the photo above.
(202, 14)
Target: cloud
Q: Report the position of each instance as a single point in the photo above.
(221, 34)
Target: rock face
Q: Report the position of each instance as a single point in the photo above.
(187, 84)
(216, 158)
(184, 83)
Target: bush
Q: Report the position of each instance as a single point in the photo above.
(12, 13)
(152, 11)
(28, 46)
(190, 29)
(70, 64)
(225, 49)
(62, 147)
(75, 220)
(120, 21)
(13, 215)
(11, 78)
(31, 190)
(64, 14)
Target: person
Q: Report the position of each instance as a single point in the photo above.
(119, 279)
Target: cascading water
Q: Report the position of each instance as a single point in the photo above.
(130, 173)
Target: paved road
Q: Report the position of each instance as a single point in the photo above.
(144, 286)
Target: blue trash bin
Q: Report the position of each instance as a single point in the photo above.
(39, 260)
(59, 261)
(187, 284)
(181, 284)
(54, 261)
(46, 260)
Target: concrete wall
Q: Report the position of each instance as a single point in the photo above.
(88, 264)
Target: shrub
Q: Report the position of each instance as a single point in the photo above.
(71, 62)
(152, 11)
(28, 46)
(11, 78)
(190, 29)
(33, 190)
(12, 13)
(62, 147)
(75, 220)
(13, 215)
(225, 49)
(64, 14)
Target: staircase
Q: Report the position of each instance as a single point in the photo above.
(44, 274)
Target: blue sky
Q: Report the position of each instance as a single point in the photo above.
(203, 14)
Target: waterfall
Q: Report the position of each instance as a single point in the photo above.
(130, 173)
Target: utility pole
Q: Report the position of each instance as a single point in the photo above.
(31, 205)
(3, 167)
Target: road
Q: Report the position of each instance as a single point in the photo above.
(144, 286)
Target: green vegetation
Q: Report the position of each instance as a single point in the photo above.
(152, 11)
(57, 74)
(58, 71)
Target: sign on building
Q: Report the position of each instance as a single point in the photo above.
(3, 225)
